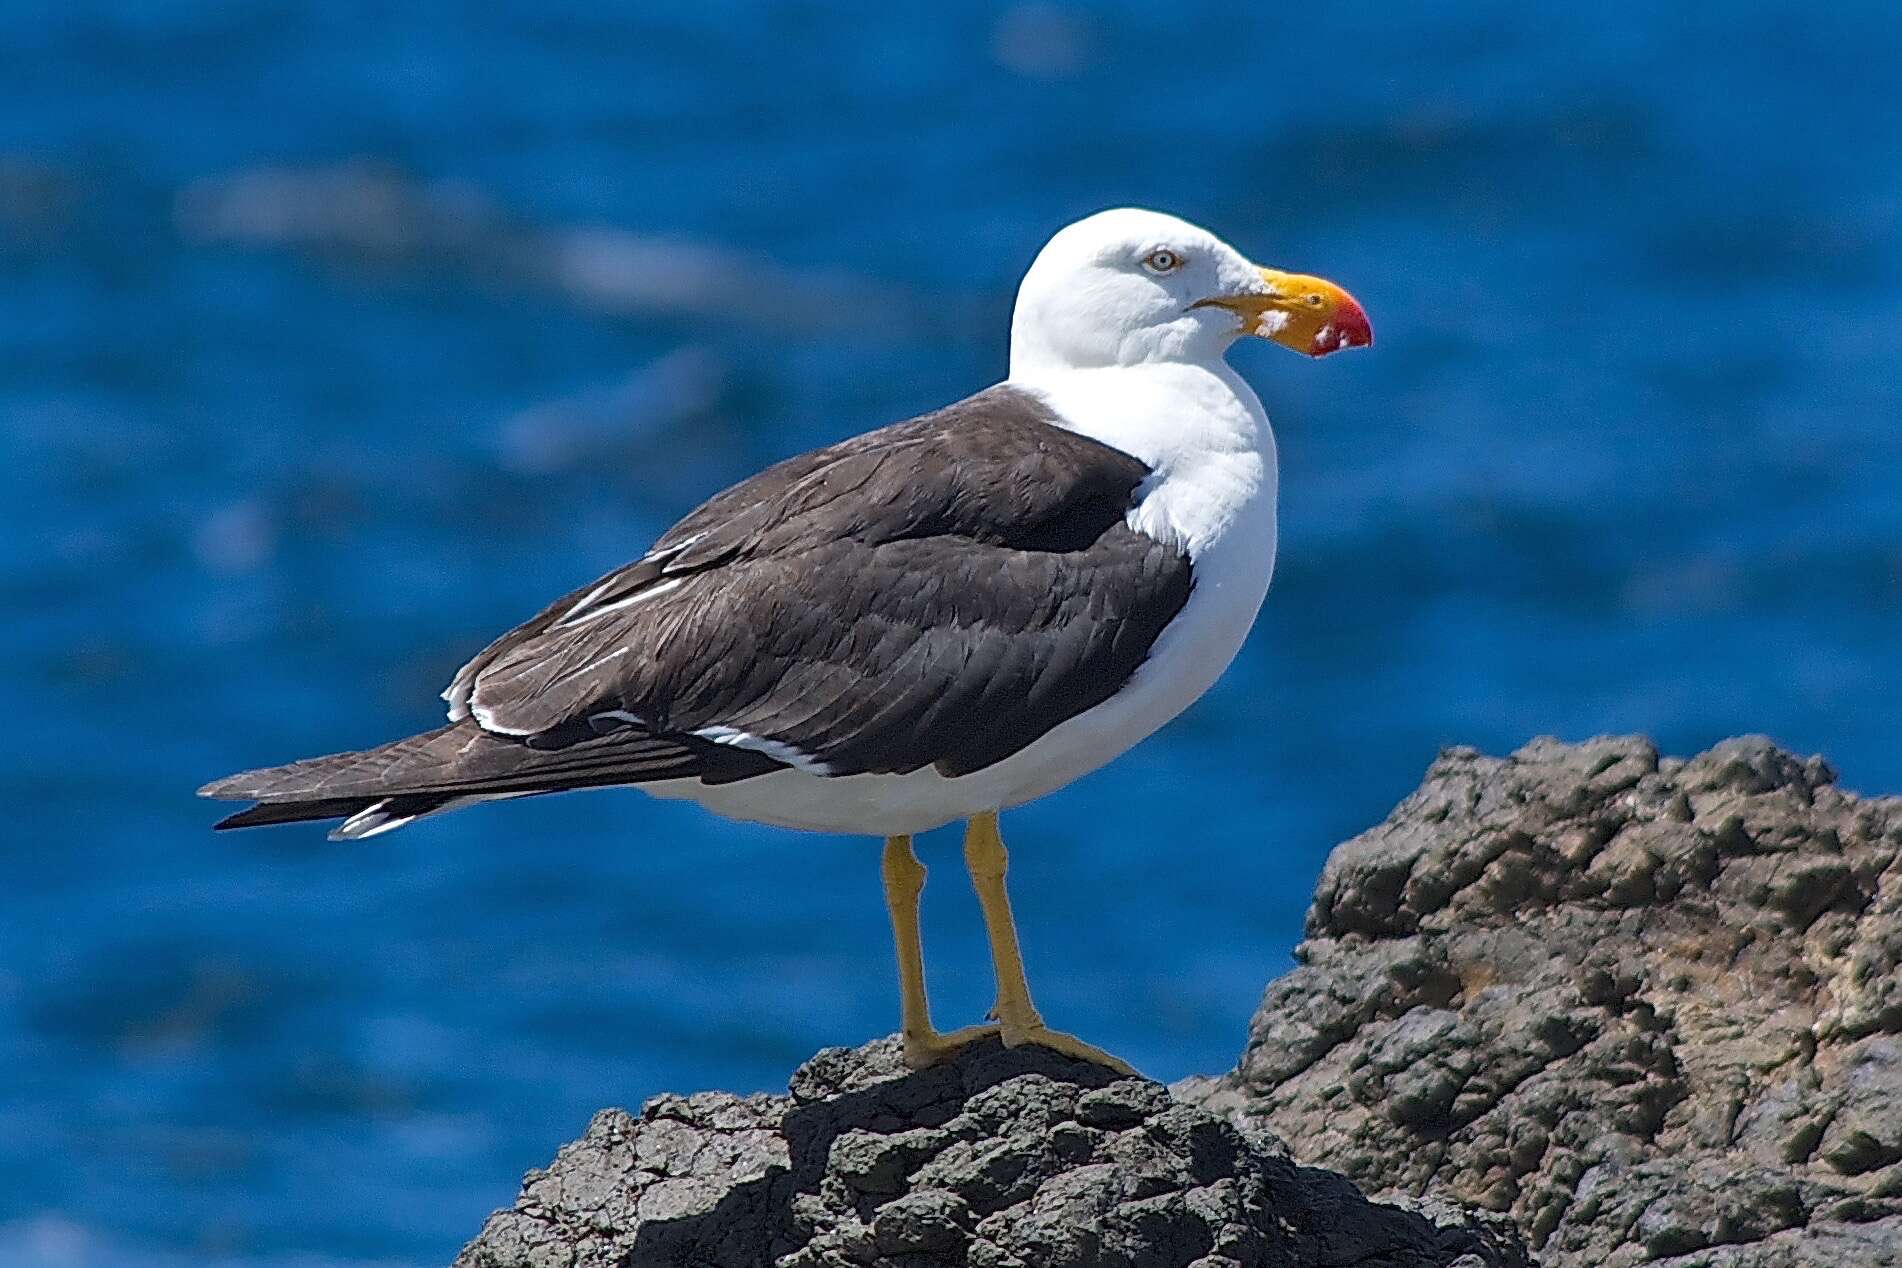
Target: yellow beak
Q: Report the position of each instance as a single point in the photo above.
(1308, 314)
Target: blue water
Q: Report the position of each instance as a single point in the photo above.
(334, 341)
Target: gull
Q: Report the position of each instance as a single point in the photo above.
(931, 622)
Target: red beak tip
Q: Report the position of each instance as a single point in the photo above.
(1349, 329)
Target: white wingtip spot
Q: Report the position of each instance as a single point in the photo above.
(371, 821)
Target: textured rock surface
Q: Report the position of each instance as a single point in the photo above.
(1650, 1009)
(998, 1158)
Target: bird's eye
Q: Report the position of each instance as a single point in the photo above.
(1164, 261)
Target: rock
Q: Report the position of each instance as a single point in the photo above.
(1633, 1010)
(995, 1159)
(1649, 1009)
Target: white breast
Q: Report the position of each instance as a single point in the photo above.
(1202, 431)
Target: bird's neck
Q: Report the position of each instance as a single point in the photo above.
(1199, 427)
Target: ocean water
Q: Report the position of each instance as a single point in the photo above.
(334, 340)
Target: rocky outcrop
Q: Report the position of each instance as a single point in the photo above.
(1639, 1010)
(1003, 1158)
(1648, 1008)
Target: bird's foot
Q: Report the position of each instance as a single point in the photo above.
(1069, 1045)
(931, 1046)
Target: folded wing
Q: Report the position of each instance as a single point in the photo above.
(937, 593)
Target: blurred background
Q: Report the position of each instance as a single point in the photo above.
(334, 339)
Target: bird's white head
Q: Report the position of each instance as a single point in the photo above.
(1128, 287)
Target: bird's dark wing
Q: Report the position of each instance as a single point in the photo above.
(936, 593)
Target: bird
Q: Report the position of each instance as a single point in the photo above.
(927, 623)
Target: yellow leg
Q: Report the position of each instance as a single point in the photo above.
(987, 861)
(904, 882)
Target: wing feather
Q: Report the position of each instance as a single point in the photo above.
(938, 593)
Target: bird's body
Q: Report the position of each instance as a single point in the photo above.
(929, 622)
(1211, 495)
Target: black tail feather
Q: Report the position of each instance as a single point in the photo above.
(270, 812)
(295, 812)
(424, 773)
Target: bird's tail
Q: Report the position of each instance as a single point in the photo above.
(380, 789)
(362, 816)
